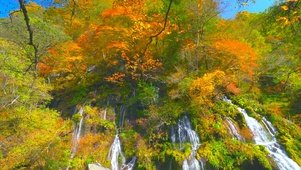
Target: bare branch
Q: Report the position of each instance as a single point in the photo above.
(30, 32)
(165, 23)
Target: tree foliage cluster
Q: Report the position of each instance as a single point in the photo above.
(136, 67)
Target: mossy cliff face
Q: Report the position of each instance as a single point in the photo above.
(136, 68)
(148, 136)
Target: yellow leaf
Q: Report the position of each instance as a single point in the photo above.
(281, 18)
(284, 7)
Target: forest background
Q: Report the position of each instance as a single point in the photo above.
(158, 59)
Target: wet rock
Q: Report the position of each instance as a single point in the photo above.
(96, 166)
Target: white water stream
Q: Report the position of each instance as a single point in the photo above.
(77, 133)
(186, 134)
(233, 130)
(114, 153)
(265, 135)
(117, 157)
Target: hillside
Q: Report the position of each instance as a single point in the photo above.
(150, 84)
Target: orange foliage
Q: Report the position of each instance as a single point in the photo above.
(95, 145)
(124, 36)
(66, 60)
(232, 88)
(120, 46)
(44, 69)
(53, 51)
(116, 78)
(236, 57)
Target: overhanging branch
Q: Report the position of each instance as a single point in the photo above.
(30, 32)
(165, 23)
(26, 18)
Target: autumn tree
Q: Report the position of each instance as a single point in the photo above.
(124, 41)
(199, 22)
(281, 67)
(77, 15)
(33, 139)
(30, 133)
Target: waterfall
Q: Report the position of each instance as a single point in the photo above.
(265, 135)
(121, 116)
(115, 153)
(185, 165)
(233, 130)
(77, 133)
(268, 125)
(130, 165)
(105, 111)
(156, 98)
(105, 114)
(186, 134)
(202, 164)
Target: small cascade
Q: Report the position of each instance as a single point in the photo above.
(233, 130)
(121, 116)
(186, 134)
(192, 163)
(261, 135)
(130, 165)
(202, 162)
(115, 153)
(156, 98)
(185, 165)
(105, 114)
(77, 133)
(268, 125)
(265, 135)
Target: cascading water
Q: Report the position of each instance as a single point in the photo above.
(130, 165)
(105, 114)
(77, 133)
(233, 130)
(121, 116)
(268, 125)
(114, 153)
(186, 134)
(185, 165)
(265, 135)
(105, 111)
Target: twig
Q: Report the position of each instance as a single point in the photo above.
(156, 35)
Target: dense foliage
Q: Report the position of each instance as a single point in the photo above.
(136, 67)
